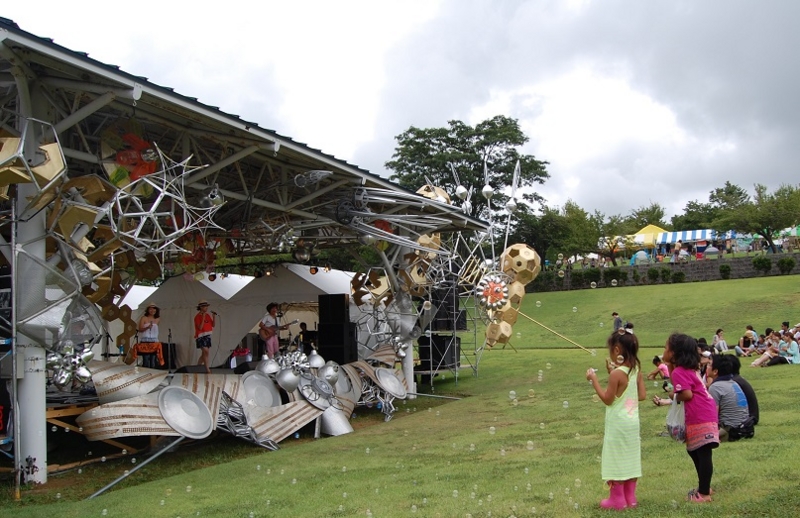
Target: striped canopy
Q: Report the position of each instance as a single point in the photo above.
(685, 236)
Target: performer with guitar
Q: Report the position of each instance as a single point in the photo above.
(269, 328)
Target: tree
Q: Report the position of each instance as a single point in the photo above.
(730, 196)
(696, 215)
(613, 234)
(765, 215)
(582, 235)
(541, 233)
(643, 216)
(427, 154)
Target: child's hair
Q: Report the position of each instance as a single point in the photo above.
(656, 360)
(722, 364)
(749, 327)
(718, 331)
(629, 347)
(701, 342)
(736, 365)
(684, 351)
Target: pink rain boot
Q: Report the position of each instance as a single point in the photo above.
(616, 498)
(630, 492)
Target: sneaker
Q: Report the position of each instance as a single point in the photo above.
(696, 497)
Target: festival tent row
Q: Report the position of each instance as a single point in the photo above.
(644, 238)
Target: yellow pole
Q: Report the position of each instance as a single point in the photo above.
(555, 332)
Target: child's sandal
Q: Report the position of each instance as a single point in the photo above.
(694, 496)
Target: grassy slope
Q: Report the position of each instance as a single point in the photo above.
(422, 456)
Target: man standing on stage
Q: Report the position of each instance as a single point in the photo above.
(269, 329)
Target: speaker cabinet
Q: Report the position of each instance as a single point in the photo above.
(449, 317)
(338, 342)
(334, 309)
(439, 352)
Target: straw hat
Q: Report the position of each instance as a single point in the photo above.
(202, 303)
(152, 305)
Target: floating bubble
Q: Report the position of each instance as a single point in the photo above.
(488, 498)
(413, 508)
(566, 404)
(126, 472)
(577, 482)
(601, 324)
(492, 430)
(188, 489)
(531, 393)
(533, 510)
(512, 394)
(613, 282)
(593, 352)
(294, 481)
(161, 503)
(514, 402)
(526, 470)
(438, 413)
(515, 489)
(472, 495)
(80, 429)
(541, 425)
(528, 487)
(574, 309)
(538, 303)
(252, 514)
(258, 467)
(480, 501)
(578, 436)
(561, 273)
(104, 512)
(655, 383)
(595, 398)
(674, 504)
(344, 495)
(548, 366)
(471, 447)
(593, 284)
(455, 493)
(124, 452)
(560, 257)
(566, 490)
(58, 495)
(575, 506)
(54, 428)
(102, 459)
(424, 501)
(502, 452)
(529, 445)
(550, 496)
(80, 471)
(540, 372)
(344, 470)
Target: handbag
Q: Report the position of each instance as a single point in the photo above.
(745, 430)
(676, 421)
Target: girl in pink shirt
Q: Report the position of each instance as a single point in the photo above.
(702, 430)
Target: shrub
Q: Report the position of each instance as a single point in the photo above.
(762, 264)
(591, 275)
(786, 265)
(678, 276)
(576, 278)
(610, 274)
(725, 271)
(636, 277)
(652, 275)
(666, 273)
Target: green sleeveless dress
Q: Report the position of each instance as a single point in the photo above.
(622, 445)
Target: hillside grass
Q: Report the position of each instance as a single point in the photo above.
(438, 458)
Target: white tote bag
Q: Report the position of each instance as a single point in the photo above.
(676, 421)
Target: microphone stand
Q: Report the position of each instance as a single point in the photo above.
(169, 351)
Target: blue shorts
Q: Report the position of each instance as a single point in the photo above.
(203, 341)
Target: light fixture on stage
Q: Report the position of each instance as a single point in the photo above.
(327, 268)
(259, 273)
(301, 254)
(313, 270)
(269, 271)
(212, 277)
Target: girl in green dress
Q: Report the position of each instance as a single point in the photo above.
(622, 452)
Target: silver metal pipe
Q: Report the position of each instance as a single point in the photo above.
(432, 395)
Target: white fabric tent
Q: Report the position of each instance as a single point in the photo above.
(291, 285)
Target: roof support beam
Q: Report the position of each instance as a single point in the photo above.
(77, 116)
(225, 162)
(134, 93)
(318, 193)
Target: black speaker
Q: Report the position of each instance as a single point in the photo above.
(245, 367)
(168, 350)
(191, 369)
(439, 352)
(338, 342)
(334, 308)
(449, 316)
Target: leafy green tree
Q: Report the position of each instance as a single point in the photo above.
(765, 214)
(582, 235)
(729, 196)
(696, 215)
(543, 232)
(612, 234)
(650, 215)
(424, 154)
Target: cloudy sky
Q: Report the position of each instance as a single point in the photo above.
(631, 102)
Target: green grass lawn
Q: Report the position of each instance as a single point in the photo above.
(439, 459)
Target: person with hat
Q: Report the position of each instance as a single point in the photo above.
(203, 327)
(149, 346)
(269, 327)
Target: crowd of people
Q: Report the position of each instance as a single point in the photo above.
(718, 406)
(773, 347)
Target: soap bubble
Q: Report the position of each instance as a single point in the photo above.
(561, 273)
(533, 510)
(613, 282)
(366, 451)
(560, 257)
(529, 445)
(413, 508)
(593, 284)
(566, 490)
(541, 425)
(526, 470)
(574, 309)
(528, 487)
(161, 503)
(655, 383)
(294, 481)
(595, 398)
(124, 452)
(455, 493)
(104, 512)
(548, 366)
(492, 430)
(576, 506)
(550, 496)
(541, 372)
(344, 470)
(258, 467)
(58, 495)
(538, 303)
(514, 402)
(80, 471)
(502, 452)
(578, 436)
(577, 482)
(566, 404)
(601, 324)
(54, 428)
(531, 393)
(593, 352)
(344, 495)
(512, 394)
(471, 447)
(102, 459)
(188, 489)
(488, 498)
(439, 413)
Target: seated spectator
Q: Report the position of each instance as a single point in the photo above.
(772, 350)
(749, 393)
(745, 349)
(734, 415)
(660, 370)
(788, 351)
(719, 342)
(749, 333)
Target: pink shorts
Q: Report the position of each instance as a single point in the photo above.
(698, 435)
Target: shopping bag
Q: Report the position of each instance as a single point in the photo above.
(676, 421)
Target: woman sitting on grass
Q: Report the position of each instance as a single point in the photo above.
(772, 350)
(719, 342)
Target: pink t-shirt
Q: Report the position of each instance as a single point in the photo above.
(701, 408)
(664, 370)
